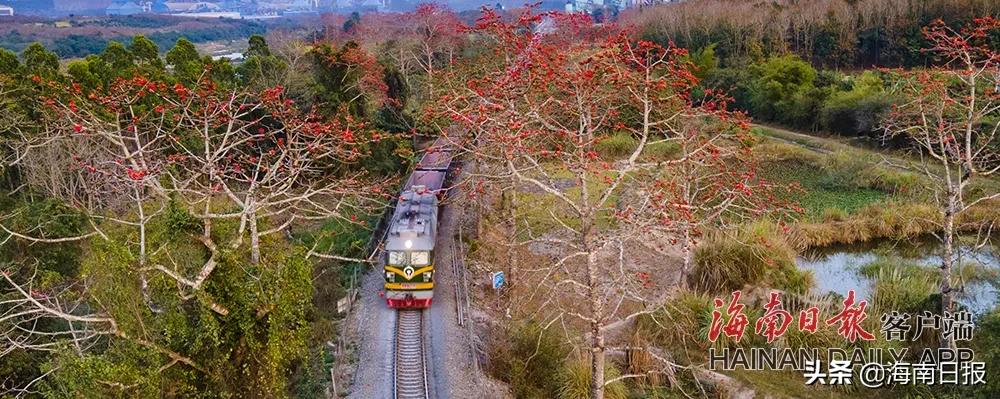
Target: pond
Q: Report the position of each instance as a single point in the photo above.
(840, 268)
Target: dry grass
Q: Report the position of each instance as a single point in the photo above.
(893, 219)
(755, 254)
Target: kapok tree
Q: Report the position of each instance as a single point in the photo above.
(438, 32)
(225, 167)
(534, 111)
(949, 116)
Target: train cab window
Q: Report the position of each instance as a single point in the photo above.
(420, 258)
(397, 258)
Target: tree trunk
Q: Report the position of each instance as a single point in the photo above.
(511, 210)
(688, 253)
(596, 313)
(254, 233)
(947, 260)
(254, 242)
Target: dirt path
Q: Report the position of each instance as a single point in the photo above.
(372, 324)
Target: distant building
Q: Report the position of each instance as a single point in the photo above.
(125, 8)
(192, 7)
(6, 11)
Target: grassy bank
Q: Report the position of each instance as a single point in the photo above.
(849, 195)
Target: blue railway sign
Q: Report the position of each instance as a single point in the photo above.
(497, 278)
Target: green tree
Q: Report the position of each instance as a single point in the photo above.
(261, 69)
(82, 73)
(40, 61)
(351, 23)
(8, 62)
(118, 58)
(188, 65)
(857, 111)
(704, 61)
(780, 89)
(146, 52)
(342, 75)
(257, 46)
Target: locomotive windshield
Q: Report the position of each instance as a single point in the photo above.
(397, 258)
(420, 258)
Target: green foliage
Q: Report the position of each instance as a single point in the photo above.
(257, 46)
(574, 381)
(733, 81)
(82, 73)
(857, 111)
(8, 62)
(900, 285)
(661, 150)
(678, 323)
(782, 90)
(351, 23)
(144, 49)
(45, 218)
(335, 78)
(261, 69)
(829, 181)
(90, 376)
(841, 170)
(529, 358)
(179, 221)
(184, 58)
(617, 145)
(987, 347)
(245, 352)
(704, 60)
(39, 61)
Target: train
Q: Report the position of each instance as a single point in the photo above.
(413, 229)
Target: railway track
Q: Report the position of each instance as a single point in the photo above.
(409, 362)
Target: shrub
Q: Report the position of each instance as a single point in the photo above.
(679, 322)
(894, 181)
(661, 150)
(734, 81)
(617, 145)
(858, 111)
(753, 254)
(842, 169)
(574, 381)
(900, 285)
(854, 115)
(529, 358)
(779, 89)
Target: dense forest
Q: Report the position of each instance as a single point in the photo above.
(211, 316)
(812, 65)
(89, 35)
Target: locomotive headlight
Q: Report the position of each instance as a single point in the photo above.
(390, 276)
(408, 244)
(427, 276)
